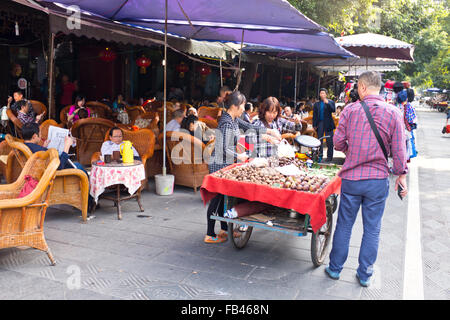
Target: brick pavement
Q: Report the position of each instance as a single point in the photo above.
(161, 255)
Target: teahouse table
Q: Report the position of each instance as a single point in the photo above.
(114, 175)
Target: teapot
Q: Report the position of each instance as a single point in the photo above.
(126, 152)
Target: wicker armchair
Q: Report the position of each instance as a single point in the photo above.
(63, 116)
(100, 109)
(22, 219)
(71, 186)
(90, 134)
(45, 126)
(213, 112)
(134, 112)
(187, 158)
(38, 107)
(209, 122)
(143, 141)
(152, 125)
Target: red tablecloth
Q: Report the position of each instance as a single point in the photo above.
(302, 202)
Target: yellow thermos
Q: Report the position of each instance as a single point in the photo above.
(126, 151)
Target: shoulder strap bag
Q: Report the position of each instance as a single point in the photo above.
(374, 129)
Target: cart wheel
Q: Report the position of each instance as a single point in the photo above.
(241, 241)
(321, 239)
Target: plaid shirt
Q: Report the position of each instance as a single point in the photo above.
(227, 136)
(354, 136)
(266, 149)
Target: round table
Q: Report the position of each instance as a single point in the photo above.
(114, 175)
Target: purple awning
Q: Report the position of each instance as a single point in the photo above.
(266, 22)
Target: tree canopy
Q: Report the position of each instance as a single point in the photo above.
(423, 23)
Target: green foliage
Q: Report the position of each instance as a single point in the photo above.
(423, 23)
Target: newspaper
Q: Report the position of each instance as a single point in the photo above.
(56, 137)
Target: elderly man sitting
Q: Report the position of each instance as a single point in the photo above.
(114, 142)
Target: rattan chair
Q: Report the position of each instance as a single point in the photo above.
(209, 122)
(100, 109)
(213, 112)
(63, 116)
(143, 141)
(22, 219)
(90, 134)
(134, 112)
(45, 126)
(187, 158)
(38, 108)
(71, 186)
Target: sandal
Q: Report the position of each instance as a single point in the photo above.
(209, 239)
(224, 234)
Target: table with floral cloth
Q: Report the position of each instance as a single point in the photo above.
(116, 174)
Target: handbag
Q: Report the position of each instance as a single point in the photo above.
(375, 130)
(29, 186)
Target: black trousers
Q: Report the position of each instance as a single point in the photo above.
(215, 205)
(320, 133)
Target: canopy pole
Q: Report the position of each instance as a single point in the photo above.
(50, 78)
(295, 85)
(164, 169)
(240, 56)
(221, 79)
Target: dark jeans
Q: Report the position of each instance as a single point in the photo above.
(215, 205)
(320, 133)
(371, 196)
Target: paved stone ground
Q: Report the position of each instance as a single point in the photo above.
(160, 254)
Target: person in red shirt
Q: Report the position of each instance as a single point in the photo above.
(68, 88)
(365, 173)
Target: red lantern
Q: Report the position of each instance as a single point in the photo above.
(257, 75)
(182, 68)
(288, 78)
(205, 70)
(107, 55)
(143, 62)
(226, 74)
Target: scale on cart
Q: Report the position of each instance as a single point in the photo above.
(312, 143)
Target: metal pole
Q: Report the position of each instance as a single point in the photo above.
(240, 55)
(50, 80)
(165, 92)
(221, 80)
(295, 85)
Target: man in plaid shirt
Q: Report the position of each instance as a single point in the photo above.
(365, 173)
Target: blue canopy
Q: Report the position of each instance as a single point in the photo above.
(273, 23)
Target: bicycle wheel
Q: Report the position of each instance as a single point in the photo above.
(321, 239)
(238, 236)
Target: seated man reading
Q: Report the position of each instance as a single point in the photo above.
(31, 134)
(32, 138)
(114, 142)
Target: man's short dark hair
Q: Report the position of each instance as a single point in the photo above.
(114, 129)
(29, 129)
(19, 91)
(323, 89)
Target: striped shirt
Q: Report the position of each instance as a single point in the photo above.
(354, 136)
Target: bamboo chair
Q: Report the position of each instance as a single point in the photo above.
(63, 116)
(90, 134)
(45, 126)
(71, 186)
(186, 156)
(22, 219)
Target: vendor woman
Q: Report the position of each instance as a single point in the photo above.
(225, 153)
(270, 117)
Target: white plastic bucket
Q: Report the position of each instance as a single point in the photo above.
(164, 184)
